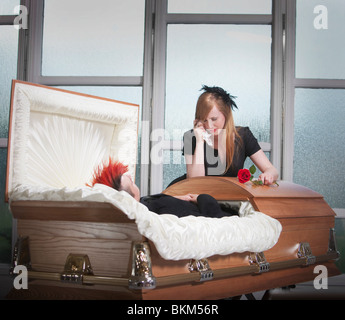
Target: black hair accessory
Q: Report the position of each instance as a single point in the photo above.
(218, 92)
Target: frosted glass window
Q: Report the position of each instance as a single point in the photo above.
(84, 37)
(320, 42)
(319, 149)
(5, 215)
(220, 6)
(7, 6)
(173, 166)
(8, 67)
(236, 58)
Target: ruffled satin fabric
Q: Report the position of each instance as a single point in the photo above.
(174, 238)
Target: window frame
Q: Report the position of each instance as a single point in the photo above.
(34, 74)
(163, 18)
(8, 20)
(292, 83)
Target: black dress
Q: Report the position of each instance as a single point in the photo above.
(213, 166)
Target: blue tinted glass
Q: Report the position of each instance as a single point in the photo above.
(237, 58)
(5, 215)
(8, 67)
(84, 37)
(7, 6)
(320, 49)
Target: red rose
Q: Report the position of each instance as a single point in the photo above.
(243, 175)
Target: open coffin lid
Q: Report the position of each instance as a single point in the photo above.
(57, 138)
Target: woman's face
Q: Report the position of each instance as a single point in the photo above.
(214, 122)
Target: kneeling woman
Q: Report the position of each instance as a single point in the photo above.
(215, 147)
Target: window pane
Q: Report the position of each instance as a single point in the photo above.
(319, 134)
(220, 6)
(125, 94)
(7, 6)
(237, 58)
(5, 215)
(173, 166)
(8, 67)
(103, 38)
(320, 44)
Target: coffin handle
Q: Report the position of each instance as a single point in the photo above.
(142, 277)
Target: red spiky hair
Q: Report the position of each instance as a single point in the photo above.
(109, 174)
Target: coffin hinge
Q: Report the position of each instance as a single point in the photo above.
(259, 259)
(202, 267)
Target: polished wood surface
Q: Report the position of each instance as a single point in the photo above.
(68, 211)
(226, 188)
(218, 187)
(108, 245)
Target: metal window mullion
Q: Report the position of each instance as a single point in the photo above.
(218, 18)
(7, 20)
(90, 80)
(319, 83)
(158, 92)
(177, 145)
(34, 64)
(147, 98)
(277, 83)
(289, 92)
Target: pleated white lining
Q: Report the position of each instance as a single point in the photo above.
(175, 238)
(58, 138)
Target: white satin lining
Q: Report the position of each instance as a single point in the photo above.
(175, 238)
(59, 138)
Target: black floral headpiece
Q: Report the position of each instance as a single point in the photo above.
(218, 92)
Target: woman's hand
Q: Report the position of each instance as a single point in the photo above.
(269, 172)
(198, 130)
(188, 197)
(267, 178)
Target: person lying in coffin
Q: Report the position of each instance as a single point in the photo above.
(115, 175)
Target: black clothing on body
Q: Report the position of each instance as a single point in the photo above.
(206, 206)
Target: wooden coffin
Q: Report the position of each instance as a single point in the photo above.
(106, 236)
(91, 249)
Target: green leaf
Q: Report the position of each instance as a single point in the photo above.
(257, 182)
(252, 169)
